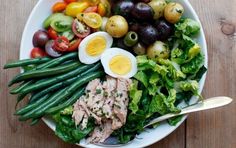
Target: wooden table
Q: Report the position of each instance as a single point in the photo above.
(210, 129)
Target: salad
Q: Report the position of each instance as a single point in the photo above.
(104, 69)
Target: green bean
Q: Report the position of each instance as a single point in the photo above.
(40, 110)
(68, 102)
(54, 80)
(34, 121)
(21, 87)
(20, 97)
(62, 84)
(57, 61)
(29, 107)
(44, 72)
(25, 62)
(31, 113)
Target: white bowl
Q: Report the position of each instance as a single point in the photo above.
(43, 10)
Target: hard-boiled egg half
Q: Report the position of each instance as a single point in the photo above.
(91, 47)
(119, 63)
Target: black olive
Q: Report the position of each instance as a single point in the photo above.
(147, 34)
(120, 43)
(142, 11)
(164, 29)
(123, 8)
(134, 27)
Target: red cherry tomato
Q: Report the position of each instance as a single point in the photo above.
(52, 33)
(61, 44)
(91, 9)
(74, 45)
(37, 52)
(80, 29)
(69, 1)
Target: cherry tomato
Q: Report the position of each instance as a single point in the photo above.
(74, 45)
(59, 7)
(52, 33)
(91, 9)
(37, 52)
(101, 9)
(69, 1)
(91, 19)
(61, 44)
(74, 8)
(80, 29)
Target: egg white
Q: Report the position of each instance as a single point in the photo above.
(87, 59)
(112, 52)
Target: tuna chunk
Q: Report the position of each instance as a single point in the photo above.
(101, 133)
(107, 103)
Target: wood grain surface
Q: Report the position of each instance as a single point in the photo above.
(209, 129)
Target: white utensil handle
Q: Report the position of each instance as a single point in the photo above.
(204, 105)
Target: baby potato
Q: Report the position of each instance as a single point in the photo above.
(117, 26)
(158, 7)
(173, 12)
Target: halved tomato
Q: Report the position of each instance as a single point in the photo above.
(74, 45)
(61, 44)
(91, 9)
(37, 52)
(80, 29)
(52, 33)
(69, 1)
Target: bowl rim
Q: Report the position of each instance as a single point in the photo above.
(48, 121)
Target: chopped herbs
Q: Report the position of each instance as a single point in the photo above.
(98, 91)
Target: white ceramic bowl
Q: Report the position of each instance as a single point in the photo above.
(43, 10)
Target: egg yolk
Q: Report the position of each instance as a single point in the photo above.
(120, 65)
(96, 46)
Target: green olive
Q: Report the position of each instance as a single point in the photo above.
(158, 50)
(139, 49)
(173, 12)
(117, 26)
(131, 38)
(158, 7)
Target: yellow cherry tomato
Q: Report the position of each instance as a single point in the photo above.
(91, 19)
(101, 9)
(74, 8)
(92, 2)
(107, 6)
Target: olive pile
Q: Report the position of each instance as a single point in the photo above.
(148, 22)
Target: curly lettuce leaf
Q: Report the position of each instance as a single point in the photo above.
(67, 111)
(174, 69)
(135, 96)
(185, 50)
(68, 132)
(158, 105)
(188, 27)
(142, 77)
(147, 64)
(164, 104)
(188, 85)
(66, 128)
(193, 66)
(173, 121)
(178, 56)
(170, 100)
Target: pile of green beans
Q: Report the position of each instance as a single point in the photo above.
(53, 84)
